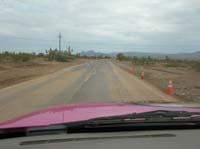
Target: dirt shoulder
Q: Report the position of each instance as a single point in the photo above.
(186, 81)
(13, 73)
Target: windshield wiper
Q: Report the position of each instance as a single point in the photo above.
(159, 114)
(139, 121)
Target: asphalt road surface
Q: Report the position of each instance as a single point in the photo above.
(99, 80)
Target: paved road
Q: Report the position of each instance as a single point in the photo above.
(98, 80)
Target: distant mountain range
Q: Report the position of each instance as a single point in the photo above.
(188, 56)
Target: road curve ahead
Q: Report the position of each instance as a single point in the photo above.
(98, 80)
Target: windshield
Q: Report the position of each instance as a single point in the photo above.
(66, 61)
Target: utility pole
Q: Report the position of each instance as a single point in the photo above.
(59, 41)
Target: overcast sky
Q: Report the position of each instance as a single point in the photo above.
(167, 26)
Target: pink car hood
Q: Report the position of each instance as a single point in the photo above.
(81, 111)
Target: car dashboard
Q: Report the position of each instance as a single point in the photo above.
(155, 139)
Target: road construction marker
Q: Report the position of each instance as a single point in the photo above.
(169, 88)
(130, 70)
(142, 76)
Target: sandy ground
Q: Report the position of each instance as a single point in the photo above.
(13, 73)
(186, 81)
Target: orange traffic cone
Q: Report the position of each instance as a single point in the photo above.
(142, 76)
(170, 88)
(131, 71)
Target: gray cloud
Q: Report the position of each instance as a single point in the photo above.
(139, 25)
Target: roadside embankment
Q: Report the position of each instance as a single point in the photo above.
(12, 73)
(186, 80)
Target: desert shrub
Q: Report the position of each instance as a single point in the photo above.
(16, 57)
(40, 54)
(196, 66)
(171, 65)
(59, 55)
(121, 57)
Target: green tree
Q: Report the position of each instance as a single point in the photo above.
(120, 56)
